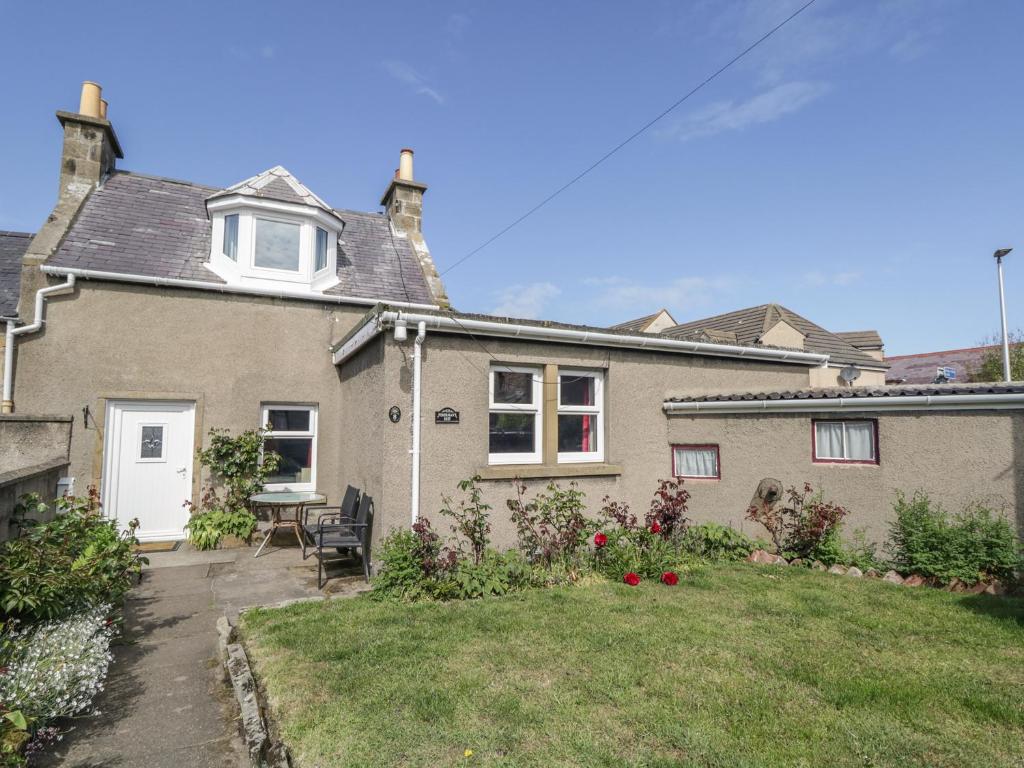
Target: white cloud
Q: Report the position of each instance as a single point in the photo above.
(621, 294)
(819, 279)
(525, 301)
(765, 107)
(404, 73)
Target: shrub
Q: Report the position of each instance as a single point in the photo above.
(238, 464)
(668, 508)
(637, 551)
(75, 561)
(471, 518)
(415, 565)
(711, 541)
(206, 529)
(858, 551)
(552, 527)
(975, 544)
(497, 573)
(800, 526)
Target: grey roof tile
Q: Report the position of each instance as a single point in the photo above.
(862, 339)
(156, 227)
(12, 247)
(934, 390)
(751, 323)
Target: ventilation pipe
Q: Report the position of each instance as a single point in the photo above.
(13, 332)
(417, 366)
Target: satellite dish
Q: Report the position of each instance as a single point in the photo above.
(849, 374)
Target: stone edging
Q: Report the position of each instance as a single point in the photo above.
(264, 752)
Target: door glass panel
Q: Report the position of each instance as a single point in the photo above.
(152, 442)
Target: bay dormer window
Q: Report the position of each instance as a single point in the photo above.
(271, 232)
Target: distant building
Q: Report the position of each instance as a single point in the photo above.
(936, 367)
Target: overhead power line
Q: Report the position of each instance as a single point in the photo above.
(642, 129)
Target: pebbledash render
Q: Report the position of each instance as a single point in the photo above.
(152, 310)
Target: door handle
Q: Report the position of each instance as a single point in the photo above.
(182, 470)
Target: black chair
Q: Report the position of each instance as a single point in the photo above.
(349, 507)
(336, 531)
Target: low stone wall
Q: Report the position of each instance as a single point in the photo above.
(33, 458)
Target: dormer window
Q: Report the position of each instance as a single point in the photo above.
(270, 231)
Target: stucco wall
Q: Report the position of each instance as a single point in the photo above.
(829, 377)
(33, 457)
(227, 353)
(361, 433)
(455, 374)
(957, 457)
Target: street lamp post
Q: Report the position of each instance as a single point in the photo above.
(1002, 312)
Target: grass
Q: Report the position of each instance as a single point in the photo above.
(737, 666)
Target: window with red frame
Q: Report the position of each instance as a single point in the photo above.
(696, 462)
(846, 441)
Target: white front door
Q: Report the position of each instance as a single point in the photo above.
(147, 465)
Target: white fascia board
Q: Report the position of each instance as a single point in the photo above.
(469, 326)
(987, 402)
(245, 290)
(359, 339)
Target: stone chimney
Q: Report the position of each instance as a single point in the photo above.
(90, 150)
(403, 203)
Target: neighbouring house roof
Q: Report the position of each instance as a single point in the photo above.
(749, 325)
(477, 325)
(156, 227)
(12, 247)
(862, 339)
(642, 323)
(923, 368)
(853, 393)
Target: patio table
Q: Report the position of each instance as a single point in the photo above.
(279, 501)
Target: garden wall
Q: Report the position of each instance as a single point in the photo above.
(33, 457)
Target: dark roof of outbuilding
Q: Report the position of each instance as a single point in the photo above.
(156, 227)
(750, 324)
(12, 247)
(821, 393)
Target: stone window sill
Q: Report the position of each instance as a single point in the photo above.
(534, 471)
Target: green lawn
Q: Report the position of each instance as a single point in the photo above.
(738, 666)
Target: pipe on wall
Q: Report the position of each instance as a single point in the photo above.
(417, 368)
(7, 406)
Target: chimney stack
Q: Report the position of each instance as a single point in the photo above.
(403, 202)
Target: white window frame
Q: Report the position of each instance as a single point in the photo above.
(311, 433)
(327, 250)
(819, 459)
(597, 409)
(536, 407)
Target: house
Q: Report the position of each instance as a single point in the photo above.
(172, 307)
(946, 366)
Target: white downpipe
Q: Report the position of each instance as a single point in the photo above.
(966, 402)
(245, 290)
(13, 332)
(417, 367)
(572, 335)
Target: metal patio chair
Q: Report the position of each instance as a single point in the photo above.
(338, 532)
(349, 507)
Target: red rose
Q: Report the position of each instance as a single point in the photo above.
(600, 539)
(631, 578)
(655, 527)
(669, 578)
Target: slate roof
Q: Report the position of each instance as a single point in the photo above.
(12, 247)
(862, 339)
(821, 393)
(748, 325)
(156, 227)
(275, 184)
(922, 368)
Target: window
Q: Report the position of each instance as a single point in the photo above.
(292, 435)
(515, 415)
(277, 245)
(230, 246)
(580, 419)
(151, 442)
(854, 442)
(698, 462)
(321, 250)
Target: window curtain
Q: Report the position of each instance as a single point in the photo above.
(829, 440)
(697, 462)
(860, 441)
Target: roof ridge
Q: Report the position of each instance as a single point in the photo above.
(12, 233)
(168, 179)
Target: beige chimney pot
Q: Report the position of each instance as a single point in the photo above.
(90, 102)
(405, 165)
(103, 108)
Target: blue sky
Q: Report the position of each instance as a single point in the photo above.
(860, 167)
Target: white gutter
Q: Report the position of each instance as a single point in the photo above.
(966, 402)
(572, 335)
(417, 366)
(7, 406)
(202, 285)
